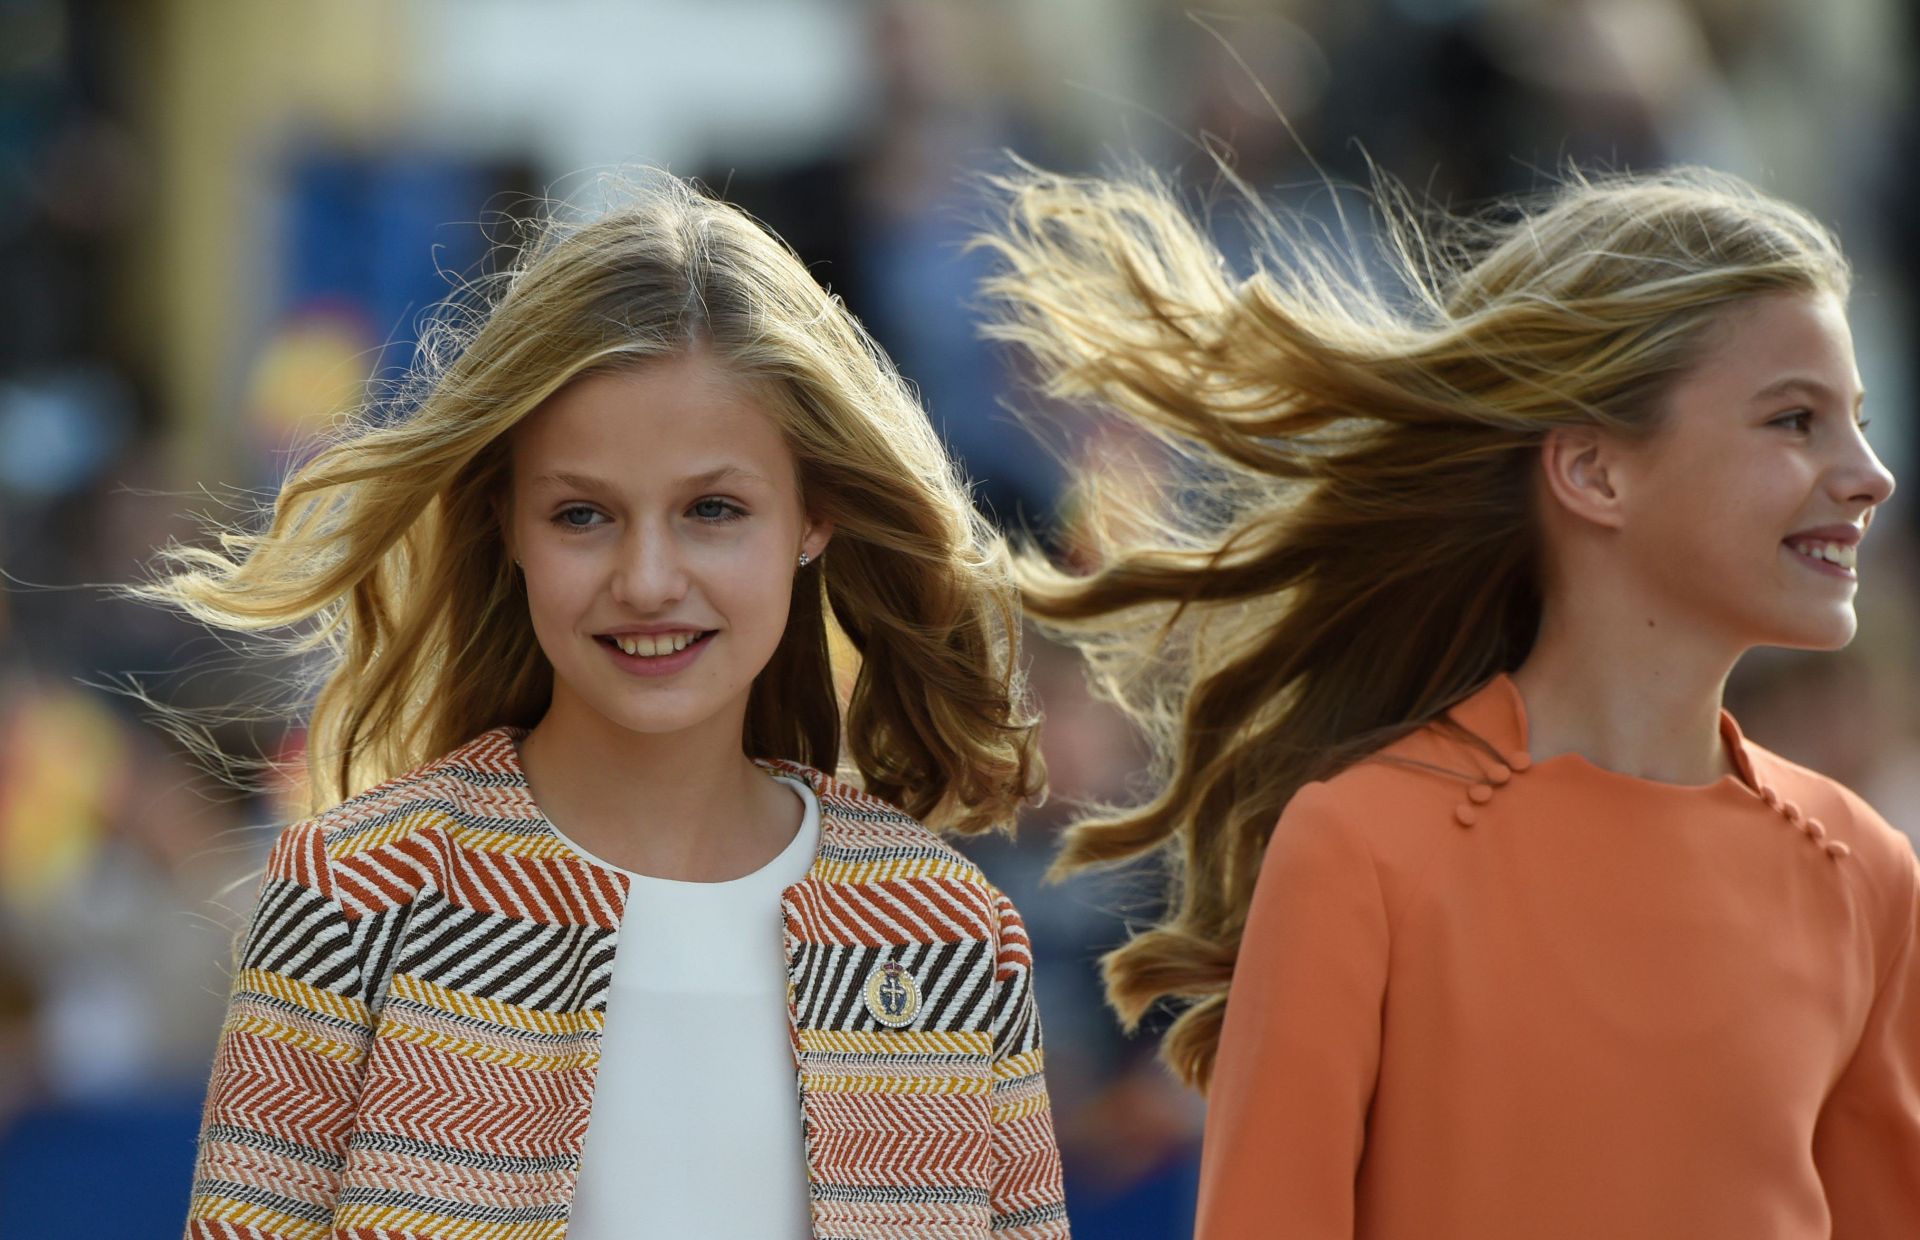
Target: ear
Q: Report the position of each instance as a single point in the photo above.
(814, 541)
(1583, 470)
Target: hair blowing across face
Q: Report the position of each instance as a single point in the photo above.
(384, 553)
(1345, 545)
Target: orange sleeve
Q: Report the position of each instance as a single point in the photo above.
(1867, 1142)
(1300, 1048)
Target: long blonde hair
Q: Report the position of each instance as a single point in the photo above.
(1346, 544)
(383, 551)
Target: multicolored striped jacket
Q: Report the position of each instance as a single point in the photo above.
(411, 1042)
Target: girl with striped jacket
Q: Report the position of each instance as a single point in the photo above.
(585, 935)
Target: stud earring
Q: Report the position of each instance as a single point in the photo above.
(805, 559)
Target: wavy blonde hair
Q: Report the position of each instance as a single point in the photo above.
(1345, 545)
(384, 554)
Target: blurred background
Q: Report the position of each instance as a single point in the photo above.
(219, 219)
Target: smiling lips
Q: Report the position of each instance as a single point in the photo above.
(654, 645)
(1843, 554)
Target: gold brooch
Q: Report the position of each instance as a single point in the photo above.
(892, 996)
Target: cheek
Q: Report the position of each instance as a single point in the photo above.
(560, 590)
(1717, 510)
(755, 581)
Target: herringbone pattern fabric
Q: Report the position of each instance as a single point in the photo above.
(412, 1039)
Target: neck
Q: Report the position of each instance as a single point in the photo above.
(687, 805)
(1627, 689)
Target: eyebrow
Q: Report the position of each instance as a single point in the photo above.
(587, 482)
(1810, 387)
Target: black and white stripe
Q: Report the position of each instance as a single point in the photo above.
(279, 1147)
(954, 979)
(503, 1164)
(474, 1212)
(376, 938)
(550, 968)
(299, 933)
(1016, 1020)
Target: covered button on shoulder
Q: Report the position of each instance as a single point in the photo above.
(1465, 815)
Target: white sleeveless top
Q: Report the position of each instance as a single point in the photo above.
(695, 1129)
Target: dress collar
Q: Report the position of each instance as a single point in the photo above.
(1498, 714)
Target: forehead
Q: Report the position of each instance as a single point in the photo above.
(1779, 344)
(663, 421)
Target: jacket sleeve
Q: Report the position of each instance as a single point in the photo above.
(1027, 1199)
(288, 1067)
(1300, 1045)
(1867, 1141)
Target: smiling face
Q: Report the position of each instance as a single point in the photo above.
(1744, 510)
(657, 516)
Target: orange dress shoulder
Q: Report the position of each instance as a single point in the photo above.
(1488, 998)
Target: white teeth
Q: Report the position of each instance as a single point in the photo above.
(647, 646)
(1846, 556)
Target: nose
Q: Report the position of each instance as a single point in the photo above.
(1863, 478)
(650, 574)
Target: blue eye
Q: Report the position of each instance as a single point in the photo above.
(565, 517)
(716, 511)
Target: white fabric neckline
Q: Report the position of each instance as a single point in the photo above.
(780, 863)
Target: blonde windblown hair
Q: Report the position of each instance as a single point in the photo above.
(1346, 544)
(384, 558)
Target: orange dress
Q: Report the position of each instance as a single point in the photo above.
(1544, 1001)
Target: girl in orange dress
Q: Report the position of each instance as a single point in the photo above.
(1484, 920)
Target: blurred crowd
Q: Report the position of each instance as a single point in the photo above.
(219, 221)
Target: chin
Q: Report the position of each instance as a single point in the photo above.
(1832, 632)
(657, 722)
(655, 714)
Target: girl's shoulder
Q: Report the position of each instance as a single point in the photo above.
(1880, 852)
(865, 839)
(1422, 776)
(476, 784)
(1423, 787)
